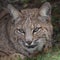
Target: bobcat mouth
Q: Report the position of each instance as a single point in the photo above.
(27, 46)
(31, 46)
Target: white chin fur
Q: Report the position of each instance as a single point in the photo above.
(31, 50)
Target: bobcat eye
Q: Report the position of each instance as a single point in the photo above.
(20, 31)
(36, 29)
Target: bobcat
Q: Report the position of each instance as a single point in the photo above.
(27, 32)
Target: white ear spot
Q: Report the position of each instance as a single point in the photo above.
(43, 12)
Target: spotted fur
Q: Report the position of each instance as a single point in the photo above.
(27, 32)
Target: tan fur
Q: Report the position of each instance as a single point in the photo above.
(27, 32)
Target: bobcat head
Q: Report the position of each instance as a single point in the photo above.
(30, 29)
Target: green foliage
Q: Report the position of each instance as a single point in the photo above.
(25, 1)
(53, 55)
(56, 22)
(48, 56)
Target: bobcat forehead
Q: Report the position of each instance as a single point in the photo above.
(30, 11)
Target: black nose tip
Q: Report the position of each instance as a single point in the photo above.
(29, 42)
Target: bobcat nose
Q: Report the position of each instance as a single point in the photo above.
(28, 42)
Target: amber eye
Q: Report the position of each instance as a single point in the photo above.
(21, 31)
(36, 29)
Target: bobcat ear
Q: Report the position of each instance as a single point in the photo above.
(14, 12)
(45, 10)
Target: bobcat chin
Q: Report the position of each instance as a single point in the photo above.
(29, 31)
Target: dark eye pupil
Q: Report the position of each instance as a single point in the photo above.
(36, 29)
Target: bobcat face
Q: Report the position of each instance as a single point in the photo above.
(30, 29)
